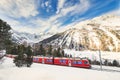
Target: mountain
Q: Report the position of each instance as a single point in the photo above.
(98, 33)
(20, 37)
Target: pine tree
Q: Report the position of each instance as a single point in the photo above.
(29, 51)
(5, 35)
(106, 62)
(63, 53)
(115, 63)
(59, 52)
(12, 50)
(55, 53)
(49, 51)
(41, 51)
(70, 56)
(24, 56)
(29, 56)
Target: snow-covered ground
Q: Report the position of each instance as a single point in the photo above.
(2, 52)
(94, 55)
(8, 71)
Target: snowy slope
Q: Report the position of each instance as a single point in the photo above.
(99, 33)
(8, 71)
(94, 55)
(2, 52)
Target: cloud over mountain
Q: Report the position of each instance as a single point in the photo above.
(35, 16)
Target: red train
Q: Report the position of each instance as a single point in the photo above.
(73, 62)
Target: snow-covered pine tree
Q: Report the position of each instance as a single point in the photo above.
(24, 57)
(5, 36)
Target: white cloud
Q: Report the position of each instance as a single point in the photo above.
(73, 10)
(78, 8)
(28, 8)
(52, 24)
(60, 5)
(42, 24)
(18, 8)
(10, 21)
(27, 29)
(47, 3)
(42, 5)
(16, 25)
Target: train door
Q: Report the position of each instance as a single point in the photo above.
(69, 62)
(43, 60)
(53, 60)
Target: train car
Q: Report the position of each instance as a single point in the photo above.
(48, 60)
(61, 61)
(83, 63)
(37, 59)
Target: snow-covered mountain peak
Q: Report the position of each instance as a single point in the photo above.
(20, 37)
(105, 20)
(99, 33)
(108, 20)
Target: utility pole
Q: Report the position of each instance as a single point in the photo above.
(100, 60)
(100, 55)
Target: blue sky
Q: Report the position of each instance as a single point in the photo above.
(35, 16)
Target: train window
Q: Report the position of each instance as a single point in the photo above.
(85, 62)
(36, 59)
(79, 62)
(74, 62)
(49, 60)
(62, 61)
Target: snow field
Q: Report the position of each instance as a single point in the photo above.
(94, 55)
(8, 71)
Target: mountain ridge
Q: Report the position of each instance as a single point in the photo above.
(21, 37)
(98, 33)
